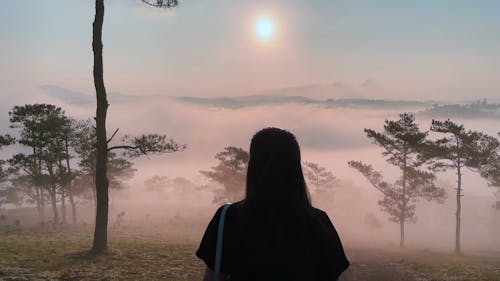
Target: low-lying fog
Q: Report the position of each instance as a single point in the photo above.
(330, 136)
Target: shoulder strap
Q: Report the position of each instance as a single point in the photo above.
(218, 249)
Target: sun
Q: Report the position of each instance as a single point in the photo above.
(264, 27)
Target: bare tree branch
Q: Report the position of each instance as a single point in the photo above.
(113, 135)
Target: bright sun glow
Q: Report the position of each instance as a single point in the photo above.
(264, 28)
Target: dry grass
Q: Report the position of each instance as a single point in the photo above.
(63, 255)
(435, 266)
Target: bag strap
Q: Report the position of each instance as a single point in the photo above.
(218, 249)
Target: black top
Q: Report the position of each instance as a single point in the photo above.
(275, 243)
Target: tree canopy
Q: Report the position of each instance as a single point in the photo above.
(230, 172)
(318, 177)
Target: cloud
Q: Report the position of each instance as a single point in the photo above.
(68, 96)
(77, 98)
(318, 91)
(368, 83)
(335, 137)
(335, 89)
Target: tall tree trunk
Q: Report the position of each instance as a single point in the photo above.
(101, 221)
(69, 183)
(42, 202)
(37, 188)
(402, 218)
(458, 249)
(64, 191)
(55, 213)
(53, 194)
(42, 196)
(38, 203)
(73, 207)
(94, 198)
(63, 206)
(402, 232)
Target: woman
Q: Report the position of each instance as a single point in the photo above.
(274, 233)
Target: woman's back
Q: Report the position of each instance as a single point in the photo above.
(275, 242)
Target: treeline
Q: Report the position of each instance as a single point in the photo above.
(56, 164)
(477, 109)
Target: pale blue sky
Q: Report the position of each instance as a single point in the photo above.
(440, 49)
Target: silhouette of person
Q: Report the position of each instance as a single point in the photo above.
(274, 233)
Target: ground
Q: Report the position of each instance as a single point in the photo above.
(63, 255)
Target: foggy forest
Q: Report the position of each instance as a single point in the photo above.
(125, 125)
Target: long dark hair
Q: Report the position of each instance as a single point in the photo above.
(274, 170)
(277, 208)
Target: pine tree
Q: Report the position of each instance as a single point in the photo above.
(402, 142)
(457, 150)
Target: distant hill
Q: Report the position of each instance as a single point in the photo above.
(377, 103)
(479, 109)
(259, 100)
(246, 101)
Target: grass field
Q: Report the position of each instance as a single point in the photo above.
(62, 255)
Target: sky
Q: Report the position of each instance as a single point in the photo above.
(439, 50)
